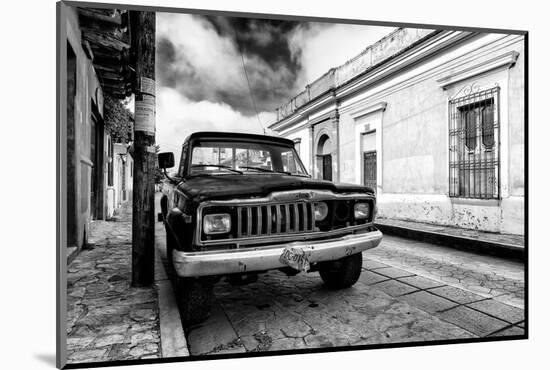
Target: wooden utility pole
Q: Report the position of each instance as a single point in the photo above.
(143, 208)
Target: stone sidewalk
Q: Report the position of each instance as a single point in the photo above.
(490, 277)
(107, 319)
(503, 245)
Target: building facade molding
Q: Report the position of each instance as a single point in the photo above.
(403, 61)
(363, 111)
(303, 111)
(506, 60)
(407, 98)
(369, 121)
(332, 114)
(444, 66)
(374, 74)
(326, 124)
(431, 46)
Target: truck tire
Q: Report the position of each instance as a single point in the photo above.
(341, 273)
(194, 297)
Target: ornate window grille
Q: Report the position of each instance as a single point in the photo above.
(474, 145)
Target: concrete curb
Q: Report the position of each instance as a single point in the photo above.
(504, 250)
(72, 252)
(172, 337)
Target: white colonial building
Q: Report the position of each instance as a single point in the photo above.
(433, 120)
(120, 177)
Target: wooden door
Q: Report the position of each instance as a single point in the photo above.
(327, 167)
(72, 215)
(93, 157)
(369, 169)
(96, 156)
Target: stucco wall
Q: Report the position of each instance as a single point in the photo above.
(305, 148)
(412, 132)
(87, 89)
(348, 149)
(414, 141)
(415, 150)
(516, 119)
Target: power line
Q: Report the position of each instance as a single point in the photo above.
(249, 88)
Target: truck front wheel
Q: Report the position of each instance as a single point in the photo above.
(341, 273)
(194, 296)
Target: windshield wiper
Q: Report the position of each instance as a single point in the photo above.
(265, 170)
(218, 166)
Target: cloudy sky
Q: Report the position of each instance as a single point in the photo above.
(202, 83)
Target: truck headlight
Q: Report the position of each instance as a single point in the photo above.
(361, 211)
(217, 223)
(321, 211)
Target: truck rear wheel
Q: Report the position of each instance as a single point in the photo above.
(194, 296)
(341, 273)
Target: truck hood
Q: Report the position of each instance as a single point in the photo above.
(249, 186)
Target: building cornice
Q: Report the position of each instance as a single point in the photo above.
(505, 60)
(413, 56)
(303, 111)
(361, 111)
(332, 114)
(446, 67)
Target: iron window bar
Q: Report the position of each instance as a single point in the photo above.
(474, 145)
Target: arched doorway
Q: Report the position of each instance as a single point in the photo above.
(324, 157)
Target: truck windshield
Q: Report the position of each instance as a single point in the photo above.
(221, 157)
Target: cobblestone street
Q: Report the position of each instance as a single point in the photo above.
(408, 291)
(107, 319)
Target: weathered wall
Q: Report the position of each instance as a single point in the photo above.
(516, 87)
(348, 149)
(415, 150)
(513, 206)
(414, 141)
(412, 133)
(87, 89)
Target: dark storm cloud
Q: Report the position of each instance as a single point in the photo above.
(265, 38)
(179, 73)
(271, 64)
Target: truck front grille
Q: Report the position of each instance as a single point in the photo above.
(275, 219)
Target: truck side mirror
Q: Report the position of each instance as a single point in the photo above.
(166, 160)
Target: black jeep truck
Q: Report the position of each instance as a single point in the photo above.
(242, 204)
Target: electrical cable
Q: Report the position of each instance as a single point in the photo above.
(250, 88)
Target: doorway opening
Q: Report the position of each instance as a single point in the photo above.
(324, 158)
(370, 165)
(96, 155)
(369, 169)
(71, 155)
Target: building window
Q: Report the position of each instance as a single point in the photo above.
(474, 158)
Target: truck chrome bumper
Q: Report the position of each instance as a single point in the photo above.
(249, 259)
